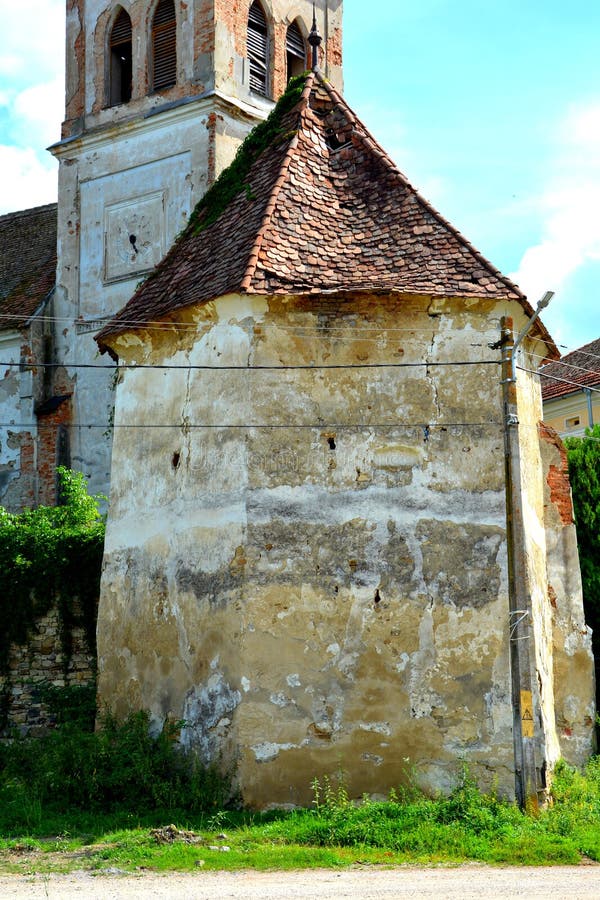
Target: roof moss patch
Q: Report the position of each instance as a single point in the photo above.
(233, 180)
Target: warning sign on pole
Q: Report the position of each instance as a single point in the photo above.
(526, 714)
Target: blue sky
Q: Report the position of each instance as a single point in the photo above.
(492, 109)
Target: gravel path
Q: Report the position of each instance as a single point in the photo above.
(461, 883)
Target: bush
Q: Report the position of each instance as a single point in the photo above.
(51, 555)
(118, 767)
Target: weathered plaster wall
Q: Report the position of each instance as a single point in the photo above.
(540, 620)
(14, 409)
(301, 564)
(23, 479)
(572, 659)
(140, 181)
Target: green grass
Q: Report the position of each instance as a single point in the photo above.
(77, 799)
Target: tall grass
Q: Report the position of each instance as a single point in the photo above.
(112, 785)
(118, 768)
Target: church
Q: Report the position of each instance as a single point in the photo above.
(339, 535)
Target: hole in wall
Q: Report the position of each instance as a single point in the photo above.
(175, 461)
(377, 597)
(331, 442)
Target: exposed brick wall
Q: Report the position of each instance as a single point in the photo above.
(48, 456)
(232, 15)
(75, 74)
(40, 662)
(558, 476)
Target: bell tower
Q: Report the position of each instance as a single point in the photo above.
(159, 96)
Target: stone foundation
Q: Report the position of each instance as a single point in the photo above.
(40, 662)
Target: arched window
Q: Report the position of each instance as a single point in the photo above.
(120, 61)
(164, 46)
(258, 50)
(295, 50)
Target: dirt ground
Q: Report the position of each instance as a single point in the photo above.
(464, 882)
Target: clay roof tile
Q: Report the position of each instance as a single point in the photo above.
(27, 263)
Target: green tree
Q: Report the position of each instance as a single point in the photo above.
(584, 472)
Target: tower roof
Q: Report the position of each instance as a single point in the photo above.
(313, 205)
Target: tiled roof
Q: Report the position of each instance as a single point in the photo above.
(578, 369)
(322, 209)
(27, 262)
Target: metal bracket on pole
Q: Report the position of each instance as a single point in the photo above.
(523, 614)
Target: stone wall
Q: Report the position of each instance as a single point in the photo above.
(40, 662)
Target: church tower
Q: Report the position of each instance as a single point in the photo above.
(159, 96)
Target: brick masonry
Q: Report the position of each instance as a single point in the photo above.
(558, 476)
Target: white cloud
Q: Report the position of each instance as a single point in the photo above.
(568, 208)
(31, 99)
(26, 180)
(39, 110)
(32, 40)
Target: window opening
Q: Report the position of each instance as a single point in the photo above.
(121, 67)
(258, 50)
(295, 51)
(164, 46)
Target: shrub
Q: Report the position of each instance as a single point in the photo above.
(118, 767)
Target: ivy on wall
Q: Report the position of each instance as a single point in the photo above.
(584, 472)
(51, 556)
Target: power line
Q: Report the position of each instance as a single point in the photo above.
(260, 368)
(339, 426)
(559, 362)
(576, 384)
(159, 325)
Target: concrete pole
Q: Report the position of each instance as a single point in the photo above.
(520, 611)
(590, 408)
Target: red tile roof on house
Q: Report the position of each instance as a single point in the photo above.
(576, 370)
(27, 263)
(321, 209)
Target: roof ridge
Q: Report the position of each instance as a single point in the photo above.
(280, 180)
(376, 147)
(27, 212)
(581, 349)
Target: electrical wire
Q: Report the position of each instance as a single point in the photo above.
(327, 426)
(576, 384)
(187, 326)
(260, 368)
(559, 362)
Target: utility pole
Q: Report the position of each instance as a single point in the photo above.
(520, 609)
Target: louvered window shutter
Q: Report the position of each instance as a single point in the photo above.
(120, 60)
(294, 44)
(295, 50)
(258, 50)
(164, 46)
(121, 33)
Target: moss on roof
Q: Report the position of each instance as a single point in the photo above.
(233, 180)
